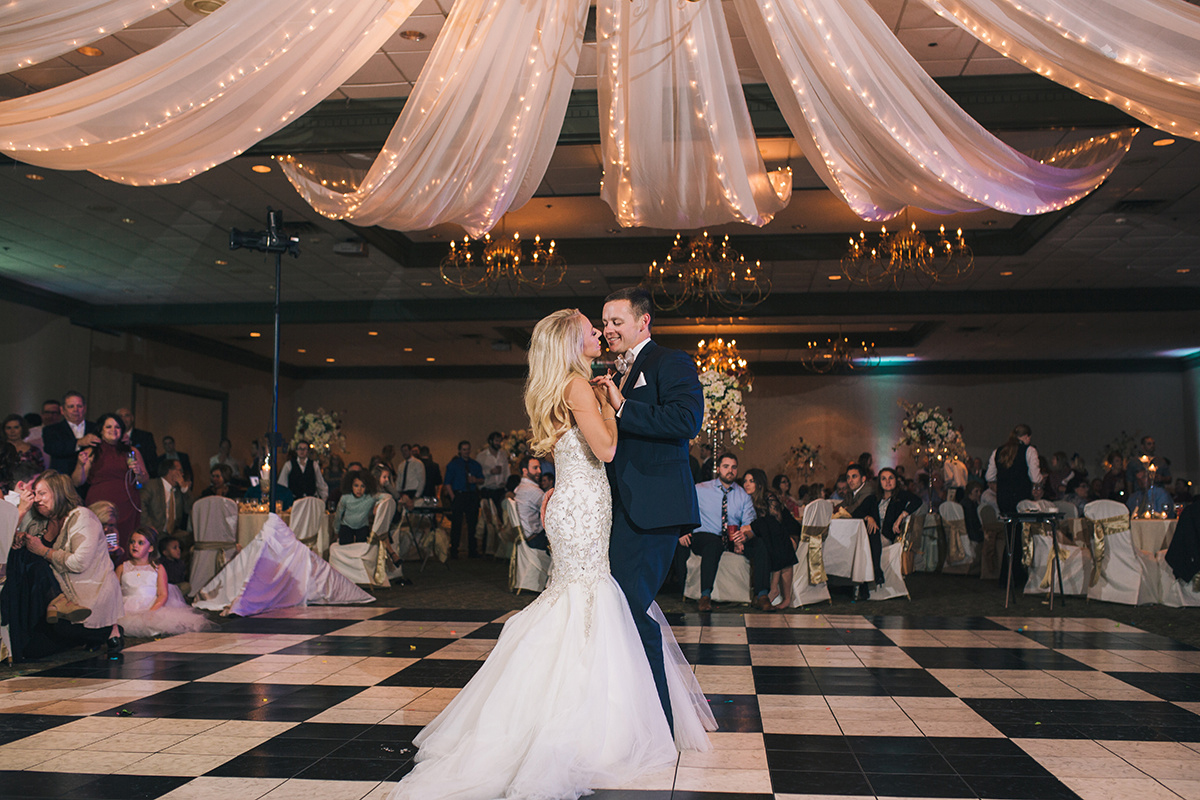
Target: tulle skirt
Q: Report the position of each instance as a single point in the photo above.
(564, 704)
(175, 616)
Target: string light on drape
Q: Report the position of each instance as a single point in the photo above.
(722, 356)
(705, 272)
(839, 355)
(898, 255)
(485, 264)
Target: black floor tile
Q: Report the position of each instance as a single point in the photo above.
(338, 731)
(42, 784)
(358, 769)
(1177, 687)
(871, 747)
(440, 615)
(919, 786)
(368, 749)
(812, 762)
(715, 796)
(488, 631)
(1018, 788)
(936, 623)
(435, 672)
(716, 619)
(736, 712)
(951, 746)
(638, 794)
(18, 726)
(398, 734)
(841, 681)
(991, 658)
(812, 782)
(998, 766)
(127, 787)
(290, 627)
(247, 766)
(723, 654)
(384, 646)
(311, 749)
(904, 764)
(819, 636)
(805, 743)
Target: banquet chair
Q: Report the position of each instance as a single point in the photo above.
(961, 553)
(1068, 509)
(891, 560)
(310, 523)
(993, 543)
(912, 553)
(1120, 572)
(214, 523)
(493, 525)
(810, 583)
(366, 563)
(1037, 541)
(9, 516)
(527, 568)
(932, 552)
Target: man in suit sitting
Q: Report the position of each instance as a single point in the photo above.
(142, 440)
(167, 500)
(858, 489)
(63, 440)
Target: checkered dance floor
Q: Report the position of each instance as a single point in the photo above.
(324, 703)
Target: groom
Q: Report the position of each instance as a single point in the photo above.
(659, 410)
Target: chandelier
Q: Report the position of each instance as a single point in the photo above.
(838, 355)
(706, 271)
(906, 253)
(721, 356)
(482, 265)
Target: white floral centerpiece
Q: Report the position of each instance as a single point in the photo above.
(516, 443)
(724, 411)
(322, 430)
(803, 459)
(930, 431)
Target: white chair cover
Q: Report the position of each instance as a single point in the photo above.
(931, 547)
(363, 562)
(213, 519)
(954, 522)
(993, 542)
(276, 571)
(1068, 509)
(510, 530)
(310, 523)
(8, 526)
(1173, 592)
(1073, 561)
(893, 578)
(1127, 575)
(529, 568)
(803, 592)
(732, 584)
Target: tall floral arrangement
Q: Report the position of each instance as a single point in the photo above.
(929, 430)
(516, 444)
(322, 430)
(724, 410)
(1124, 444)
(803, 459)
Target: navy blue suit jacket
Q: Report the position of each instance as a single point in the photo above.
(59, 443)
(650, 474)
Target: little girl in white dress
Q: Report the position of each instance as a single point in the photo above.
(153, 607)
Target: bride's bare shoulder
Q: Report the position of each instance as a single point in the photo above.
(578, 392)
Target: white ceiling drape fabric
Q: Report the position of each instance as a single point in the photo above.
(32, 31)
(205, 95)
(1142, 56)
(880, 131)
(476, 135)
(678, 147)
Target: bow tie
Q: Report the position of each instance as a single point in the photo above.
(624, 363)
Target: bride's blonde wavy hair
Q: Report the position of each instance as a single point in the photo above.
(555, 356)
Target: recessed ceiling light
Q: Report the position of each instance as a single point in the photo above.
(910, 355)
(301, 350)
(1163, 142)
(262, 168)
(1184, 270)
(60, 266)
(585, 280)
(433, 236)
(372, 333)
(426, 283)
(128, 220)
(412, 36)
(891, 329)
(430, 358)
(203, 6)
(408, 349)
(835, 277)
(220, 262)
(989, 222)
(255, 334)
(330, 360)
(33, 176)
(89, 51)
(1006, 274)
(932, 44)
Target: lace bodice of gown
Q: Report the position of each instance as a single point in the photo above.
(578, 516)
(139, 585)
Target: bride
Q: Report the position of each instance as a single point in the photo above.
(566, 702)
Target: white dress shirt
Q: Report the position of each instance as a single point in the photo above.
(489, 461)
(410, 477)
(322, 487)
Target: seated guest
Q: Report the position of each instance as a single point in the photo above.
(529, 503)
(726, 512)
(153, 606)
(1059, 474)
(1096, 490)
(30, 586)
(782, 485)
(171, 454)
(225, 456)
(1114, 486)
(79, 558)
(865, 463)
(839, 491)
(778, 530)
(1149, 499)
(894, 508)
(352, 520)
(970, 504)
(546, 481)
(172, 561)
(15, 433)
(167, 499)
(858, 490)
(302, 475)
(222, 483)
(1077, 492)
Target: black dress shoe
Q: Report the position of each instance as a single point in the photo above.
(117, 643)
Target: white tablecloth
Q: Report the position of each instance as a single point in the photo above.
(1152, 535)
(249, 524)
(848, 552)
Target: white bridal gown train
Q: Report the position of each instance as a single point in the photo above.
(565, 703)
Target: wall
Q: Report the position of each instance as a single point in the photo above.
(27, 336)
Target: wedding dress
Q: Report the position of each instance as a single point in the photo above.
(566, 702)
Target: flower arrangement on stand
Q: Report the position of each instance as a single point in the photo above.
(724, 410)
(929, 432)
(803, 460)
(322, 430)
(516, 444)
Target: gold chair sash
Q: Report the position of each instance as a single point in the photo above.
(1028, 531)
(220, 548)
(379, 578)
(955, 530)
(815, 535)
(1102, 528)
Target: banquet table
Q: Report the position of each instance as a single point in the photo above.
(1152, 535)
(251, 522)
(847, 551)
